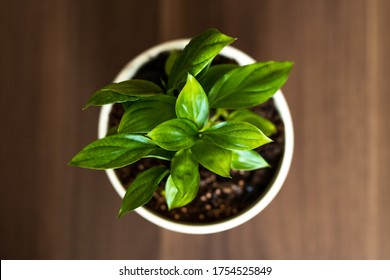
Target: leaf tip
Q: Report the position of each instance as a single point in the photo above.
(265, 139)
(189, 76)
(121, 213)
(86, 106)
(72, 162)
(289, 65)
(170, 207)
(226, 175)
(150, 134)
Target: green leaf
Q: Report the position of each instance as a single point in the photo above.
(131, 90)
(160, 154)
(236, 135)
(113, 130)
(144, 115)
(192, 103)
(185, 177)
(175, 135)
(267, 127)
(247, 160)
(204, 71)
(249, 85)
(113, 151)
(173, 55)
(127, 104)
(172, 194)
(142, 189)
(212, 157)
(213, 74)
(199, 52)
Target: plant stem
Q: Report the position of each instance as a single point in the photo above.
(212, 121)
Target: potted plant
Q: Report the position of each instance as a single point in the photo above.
(183, 116)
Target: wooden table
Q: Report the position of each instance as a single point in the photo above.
(335, 203)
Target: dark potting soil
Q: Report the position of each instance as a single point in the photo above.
(218, 198)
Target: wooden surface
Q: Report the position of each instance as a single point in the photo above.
(335, 203)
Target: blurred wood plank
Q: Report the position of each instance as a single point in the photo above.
(336, 200)
(54, 55)
(330, 206)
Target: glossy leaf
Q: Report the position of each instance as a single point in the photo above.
(142, 189)
(127, 104)
(199, 52)
(113, 151)
(130, 90)
(267, 127)
(247, 160)
(236, 135)
(172, 194)
(160, 153)
(192, 103)
(212, 157)
(144, 115)
(214, 73)
(185, 176)
(113, 130)
(175, 135)
(204, 71)
(249, 85)
(173, 55)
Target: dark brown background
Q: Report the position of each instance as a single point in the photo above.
(335, 203)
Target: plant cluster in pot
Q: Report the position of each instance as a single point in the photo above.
(194, 135)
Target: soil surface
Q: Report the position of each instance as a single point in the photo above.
(218, 198)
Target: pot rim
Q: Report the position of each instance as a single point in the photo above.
(280, 102)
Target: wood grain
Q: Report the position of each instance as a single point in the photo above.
(336, 200)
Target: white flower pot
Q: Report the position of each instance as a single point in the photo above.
(280, 175)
